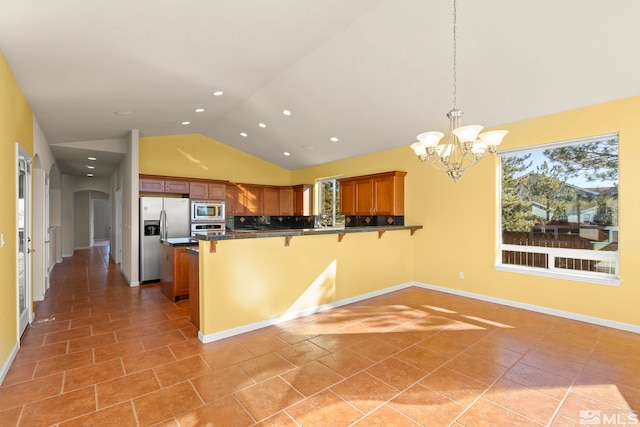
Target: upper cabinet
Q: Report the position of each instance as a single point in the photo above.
(378, 194)
(158, 185)
(207, 190)
(286, 201)
(303, 200)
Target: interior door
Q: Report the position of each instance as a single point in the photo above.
(24, 238)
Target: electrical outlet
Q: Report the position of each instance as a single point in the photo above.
(461, 275)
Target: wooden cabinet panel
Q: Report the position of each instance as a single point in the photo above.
(286, 201)
(303, 199)
(194, 289)
(270, 201)
(252, 199)
(174, 272)
(198, 190)
(347, 198)
(379, 194)
(181, 187)
(151, 185)
(216, 191)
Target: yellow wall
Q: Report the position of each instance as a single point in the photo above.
(197, 156)
(250, 280)
(16, 125)
(460, 232)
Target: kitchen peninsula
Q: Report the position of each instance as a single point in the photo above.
(253, 279)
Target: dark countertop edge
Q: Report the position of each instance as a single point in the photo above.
(180, 241)
(232, 235)
(193, 250)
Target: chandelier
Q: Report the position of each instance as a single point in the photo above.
(465, 146)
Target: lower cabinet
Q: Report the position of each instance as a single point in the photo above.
(194, 288)
(174, 271)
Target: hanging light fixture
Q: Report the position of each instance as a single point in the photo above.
(465, 146)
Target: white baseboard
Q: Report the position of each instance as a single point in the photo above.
(288, 316)
(537, 308)
(8, 362)
(134, 284)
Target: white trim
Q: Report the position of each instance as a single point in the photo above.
(9, 362)
(134, 284)
(558, 144)
(38, 298)
(530, 307)
(539, 309)
(289, 316)
(543, 272)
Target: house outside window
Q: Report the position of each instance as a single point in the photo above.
(329, 203)
(559, 210)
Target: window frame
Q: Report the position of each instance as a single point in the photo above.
(551, 271)
(335, 223)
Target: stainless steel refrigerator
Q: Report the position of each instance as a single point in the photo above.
(160, 218)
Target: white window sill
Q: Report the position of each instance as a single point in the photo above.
(532, 271)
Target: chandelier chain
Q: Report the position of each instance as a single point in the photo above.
(455, 91)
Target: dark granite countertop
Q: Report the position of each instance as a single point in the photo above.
(256, 234)
(180, 241)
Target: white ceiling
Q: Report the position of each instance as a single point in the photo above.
(373, 73)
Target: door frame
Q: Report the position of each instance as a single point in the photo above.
(22, 323)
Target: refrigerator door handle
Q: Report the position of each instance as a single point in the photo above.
(163, 224)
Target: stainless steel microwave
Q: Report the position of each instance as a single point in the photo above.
(207, 211)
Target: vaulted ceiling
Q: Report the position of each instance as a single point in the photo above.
(371, 73)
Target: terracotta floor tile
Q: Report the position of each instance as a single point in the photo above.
(324, 409)
(92, 374)
(110, 326)
(399, 339)
(338, 341)
(556, 364)
(346, 362)
(182, 370)
(386, 416)
(117, 350)
(172, 324)
(93, 341)
(66, 335)
(190, 348)
(479, 369)
(522, 400)
(63, 363)
(121, 415)
(487, 414)
(224, 412)
(443, 345)
(11, 417)
(574, 404)
(166, 403)
(302, 353)
(499, 355)
(396, 373)
(456, 386)
(375, 349)
(221, 383)
(227, 355)
(364, 391)
(44, 327)
(267, 398)
(136, 332)
(422, 358)
(33, 354)
(263, 344)
(311, 378)
(266, 366)
(125, 388)
(19, 373)
(147, 360)
(611, 394)
(545, 382)
(59, 408)
(12, 396)
(426, 406)
(281, 419)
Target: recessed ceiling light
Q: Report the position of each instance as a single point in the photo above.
(92, 158)
(90, 167)
(89, 175)
(218, 93)
(262, 125)
(286, 112)
(286, 153)
(199, 110)
(186, 123)
(243, 134)
(125, 112)
(334, 139)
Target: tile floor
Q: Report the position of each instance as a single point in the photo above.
(102, 354)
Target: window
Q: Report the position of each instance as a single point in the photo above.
(559, 210)
(329, 203)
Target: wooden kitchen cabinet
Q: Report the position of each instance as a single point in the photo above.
(159, 185)
(207, 190)
(303, 200)
(286, 201)
(174, 271)
(175, 186)
(378, 194)
(270, 201)
(194, 288)
(151, 185)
